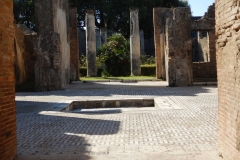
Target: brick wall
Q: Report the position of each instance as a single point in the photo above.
(228, 69)
(7, 84)
(74, 44)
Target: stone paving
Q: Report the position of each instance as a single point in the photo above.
(187, 131)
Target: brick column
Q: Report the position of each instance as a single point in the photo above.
(74, 44)
(8, 142)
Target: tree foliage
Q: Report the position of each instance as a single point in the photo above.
(24, 13)
(115, 56)
(114, 14)
(110, 14)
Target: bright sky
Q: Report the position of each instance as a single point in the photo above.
(199, 7)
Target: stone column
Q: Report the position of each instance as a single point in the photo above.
(90, 43)
(135, 43)
(103, 34)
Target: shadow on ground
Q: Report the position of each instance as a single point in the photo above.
(56, 136)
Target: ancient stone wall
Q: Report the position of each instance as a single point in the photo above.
(204, 54)
(228, 67)
(52, 70)
(178, 53)
(8, 142)
(74, 44)
(25, 56)
(207, 69)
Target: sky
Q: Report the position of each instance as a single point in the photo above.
(199, 7)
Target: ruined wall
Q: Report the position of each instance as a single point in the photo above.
(25, 56)
(203, 48)
(204, 60)
(8, 142)
(207, 69)
(178, 56)
(159, 18)
(74, 44)
(52, 70)
(228, 67)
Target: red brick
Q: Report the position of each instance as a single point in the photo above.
(7, 96)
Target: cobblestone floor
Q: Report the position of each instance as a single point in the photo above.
(188, 133)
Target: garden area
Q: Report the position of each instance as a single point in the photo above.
(113, 62)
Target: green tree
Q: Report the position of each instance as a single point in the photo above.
(115, 56)
(24, 13)
(114, 14)
(110, 14)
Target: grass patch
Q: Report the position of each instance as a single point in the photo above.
(130, 78)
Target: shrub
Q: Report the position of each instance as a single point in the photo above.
(83, 60)
(147, 60)
(83, 72)
(148, 70)
(114, 56)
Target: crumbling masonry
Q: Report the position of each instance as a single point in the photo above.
(25, 57)
(204, 49)
(52, 69)
(181, 58)
(173, 45)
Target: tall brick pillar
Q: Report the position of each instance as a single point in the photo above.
(8, 147)
(228, 70)
(74, 44)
